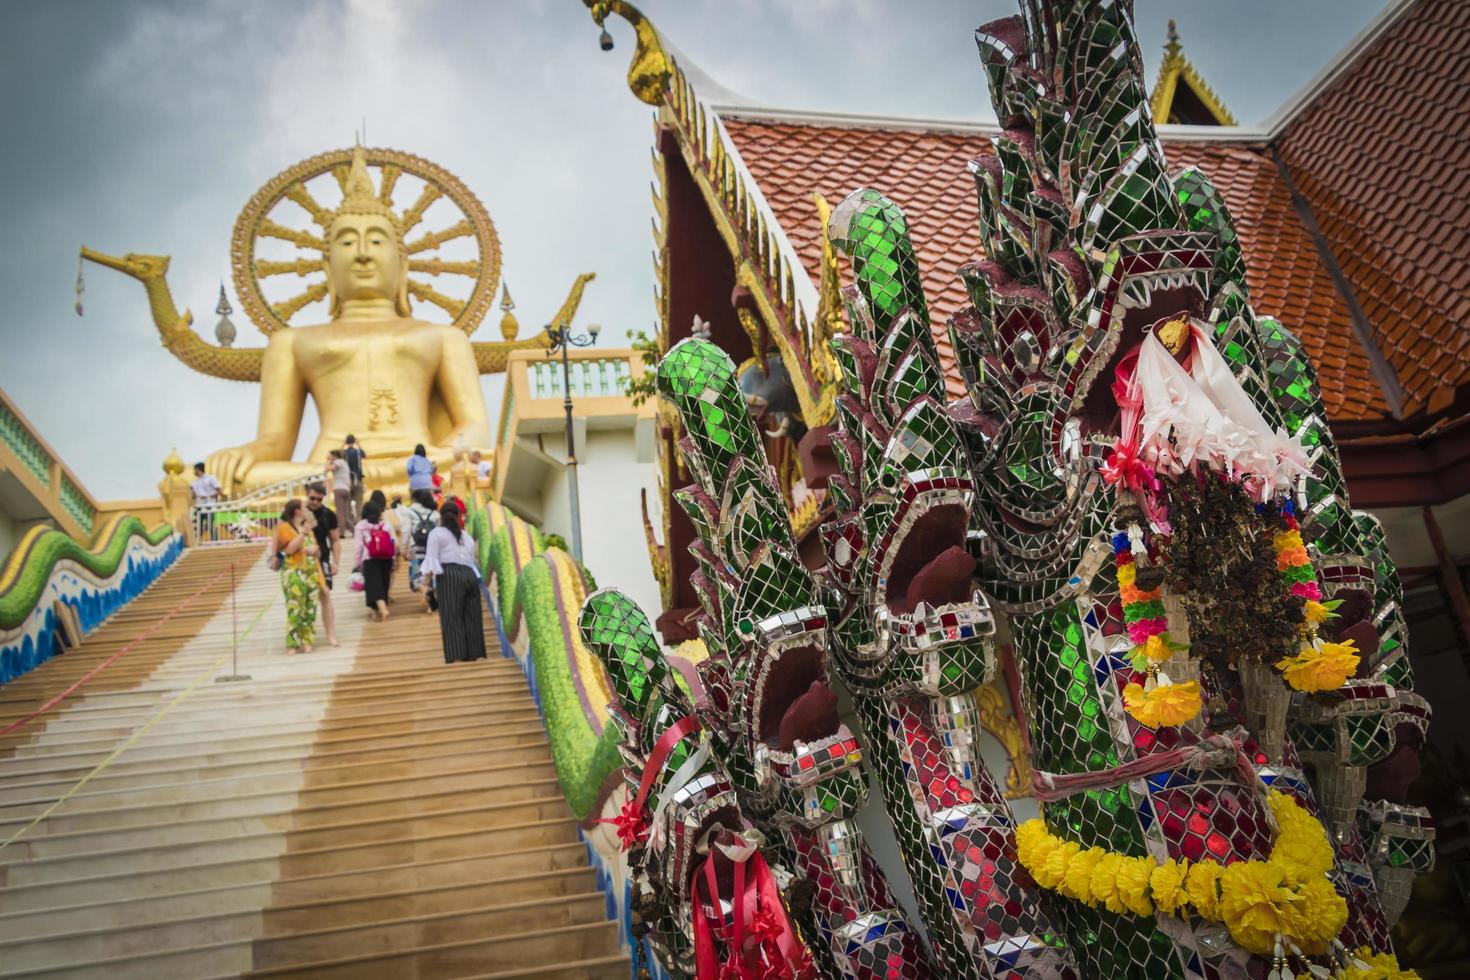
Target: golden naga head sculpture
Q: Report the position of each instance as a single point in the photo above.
(366, 261)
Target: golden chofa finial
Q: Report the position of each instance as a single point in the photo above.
(510, 327)
(173, 465)
(1173, 47)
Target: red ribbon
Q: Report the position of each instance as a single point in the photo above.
(632, 820)
(1124, 468)
(774, 952)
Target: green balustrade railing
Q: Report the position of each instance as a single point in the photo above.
(27, 447)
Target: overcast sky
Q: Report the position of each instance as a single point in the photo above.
(146, 126)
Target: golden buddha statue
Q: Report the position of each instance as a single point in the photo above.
(374, 370)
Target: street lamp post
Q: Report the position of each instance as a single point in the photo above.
(561, 340)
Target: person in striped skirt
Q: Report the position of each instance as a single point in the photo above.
(452, 577)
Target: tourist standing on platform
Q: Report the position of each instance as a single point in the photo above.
(354, 456)
(422, 518)
(420, 470)
(482, 465)
(300, 575)
(376, 549)
(341, 476)
(453, 578)
(329, 552)
(205, 490)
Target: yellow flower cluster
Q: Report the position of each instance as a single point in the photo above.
(1320, 666)
(1380, 966)
(1167, 704)
(1316, 613)
(1288, 894)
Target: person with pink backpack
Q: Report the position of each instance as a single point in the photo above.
(376, 552)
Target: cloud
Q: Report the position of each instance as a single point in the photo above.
(146, 126)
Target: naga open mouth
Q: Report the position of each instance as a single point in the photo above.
(1159, 275)
(932, 565)
(797, 704)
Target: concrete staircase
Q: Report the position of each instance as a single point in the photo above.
(363, 811)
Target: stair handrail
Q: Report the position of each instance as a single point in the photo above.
(246, 528)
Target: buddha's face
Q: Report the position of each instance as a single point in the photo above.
(364, 261)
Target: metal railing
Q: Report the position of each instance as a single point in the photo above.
(249, 517)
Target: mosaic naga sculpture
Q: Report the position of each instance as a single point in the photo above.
(1142, 487)
(782, 773)
(914, 637)
(1125, 404)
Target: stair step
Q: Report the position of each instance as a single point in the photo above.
(287, 895)
(315, 933)
(360, 811)
(400, 725)
(349, 821)
(430, 929)
(523, 951)
(212, 719)
(423, 751)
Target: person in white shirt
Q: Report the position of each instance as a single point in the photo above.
(341, 475)
(482, 466)
(452, 574)
(206, 490)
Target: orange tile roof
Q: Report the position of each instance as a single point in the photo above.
(924, 171)
(1381, 156)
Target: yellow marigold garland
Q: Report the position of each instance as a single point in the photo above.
(1320, 665)
(1370, 966)
(1166, 704)
(1287, 894)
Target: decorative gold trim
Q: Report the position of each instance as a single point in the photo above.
(997, 718)
(255, 222)
(761, 266)
(1174, 69)
(648, 72)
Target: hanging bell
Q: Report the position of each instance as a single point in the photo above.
(224, 330)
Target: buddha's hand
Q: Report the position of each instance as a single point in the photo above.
(230, 466)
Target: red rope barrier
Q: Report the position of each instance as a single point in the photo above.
(104, 664)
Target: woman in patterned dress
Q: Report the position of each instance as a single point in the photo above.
(300, 575)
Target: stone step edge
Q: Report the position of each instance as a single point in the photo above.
(305, 759)
(307, 743)
(344, 825)
(618, 959)
(549, 900)
(289, 690)
(435, 947)
(319, 876)
(280, 909)
(75, 724)
(215, 783)
(529, 710)
(307, 852)
(77, 835)
(285, 969)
